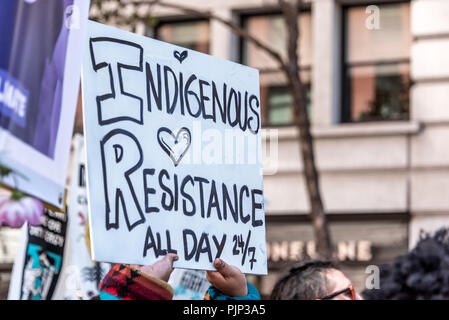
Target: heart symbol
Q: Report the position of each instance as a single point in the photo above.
(175, 146)
(180, 56)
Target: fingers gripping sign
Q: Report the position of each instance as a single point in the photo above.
(228, 279)
(160, 269)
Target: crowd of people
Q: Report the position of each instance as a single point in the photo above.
(422, 273)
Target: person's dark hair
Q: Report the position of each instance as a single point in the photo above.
(306, 281)
(422, 273)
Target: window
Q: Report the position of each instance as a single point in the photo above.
(376, 64)
(191, 34)
(277, 109)
(279, 100)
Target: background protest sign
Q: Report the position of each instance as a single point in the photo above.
(81, 275)
(38, 266)
(40, 60)
(188, 284)
(173, 154)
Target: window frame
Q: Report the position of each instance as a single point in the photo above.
(346, 107)
(175, 20)
(267, 12)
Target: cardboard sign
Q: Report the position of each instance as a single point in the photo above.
(40, 61)
(38, 265)
(173, 154)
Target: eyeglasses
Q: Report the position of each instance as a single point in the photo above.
(349, 290)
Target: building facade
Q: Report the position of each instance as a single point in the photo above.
(377, 77)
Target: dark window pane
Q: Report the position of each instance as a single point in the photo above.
(190, 34)
(379, 92)
(279, 102)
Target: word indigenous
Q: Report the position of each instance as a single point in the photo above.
(173, 92)
(224, 104)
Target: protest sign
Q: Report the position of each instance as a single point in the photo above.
(40, 61)
(39, 261)
(173, 154)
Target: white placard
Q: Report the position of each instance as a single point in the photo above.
(81, 276)
(173, 154)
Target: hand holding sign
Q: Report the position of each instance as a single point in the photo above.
(228, 279)
(160, 269)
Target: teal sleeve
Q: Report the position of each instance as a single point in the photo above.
(215, 294)
(107, 296)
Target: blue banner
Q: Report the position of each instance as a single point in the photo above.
(13, 99)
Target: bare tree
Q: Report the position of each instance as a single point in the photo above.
(290, 67)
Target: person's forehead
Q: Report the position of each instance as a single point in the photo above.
(337, 278)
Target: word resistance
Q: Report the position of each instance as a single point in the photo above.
(191, 195)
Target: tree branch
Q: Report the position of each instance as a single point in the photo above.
(290, 10)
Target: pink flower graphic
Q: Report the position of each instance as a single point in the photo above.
(16, 209)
